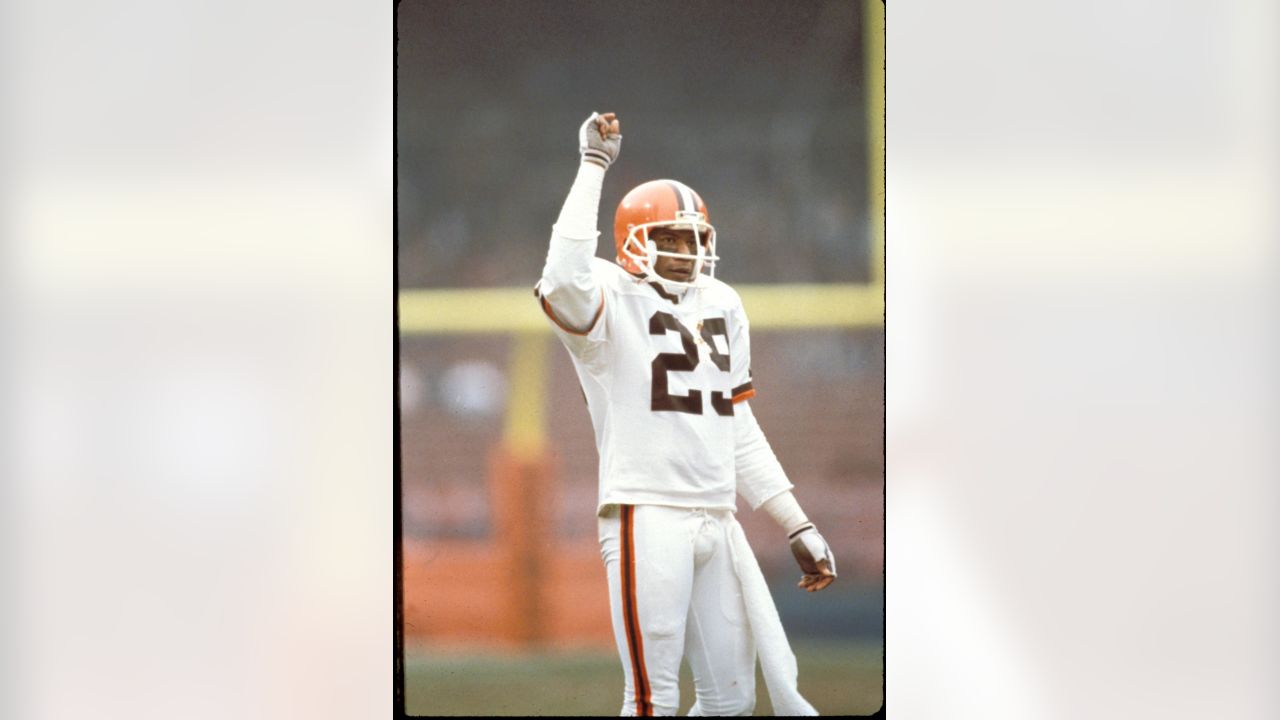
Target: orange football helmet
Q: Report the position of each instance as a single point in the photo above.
(662, 203)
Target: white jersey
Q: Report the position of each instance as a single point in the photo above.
(661, 375)
(666, 376)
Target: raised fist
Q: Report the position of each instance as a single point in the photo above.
(600, 139)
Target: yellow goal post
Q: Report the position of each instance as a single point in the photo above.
(515, 311)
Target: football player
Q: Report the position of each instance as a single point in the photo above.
(663, 352)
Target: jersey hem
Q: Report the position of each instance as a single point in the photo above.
(603, 506)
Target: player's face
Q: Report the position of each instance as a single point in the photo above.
(676, 241)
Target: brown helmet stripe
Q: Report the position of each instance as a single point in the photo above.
(697, 201)
(684, 196)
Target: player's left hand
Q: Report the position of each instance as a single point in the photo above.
(816, 559)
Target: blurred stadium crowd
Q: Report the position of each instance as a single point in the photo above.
(771, 133)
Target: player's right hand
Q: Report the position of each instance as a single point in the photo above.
(600, 139)
(816, 559)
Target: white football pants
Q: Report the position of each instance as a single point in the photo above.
(674, 593)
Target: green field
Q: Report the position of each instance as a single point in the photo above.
(841, 678)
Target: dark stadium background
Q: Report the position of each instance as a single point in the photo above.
(761, 107)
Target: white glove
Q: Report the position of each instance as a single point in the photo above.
(815, 557)
(600, 139)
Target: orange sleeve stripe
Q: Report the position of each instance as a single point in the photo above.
(744, 395)
(546, 308)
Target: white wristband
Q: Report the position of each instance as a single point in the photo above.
(784, 509)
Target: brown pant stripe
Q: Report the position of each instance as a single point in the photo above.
(635, 642)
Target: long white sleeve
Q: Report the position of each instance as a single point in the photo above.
(760, 475)
(568, 286)
(786, 511)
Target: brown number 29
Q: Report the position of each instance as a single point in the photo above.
(660, 324)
